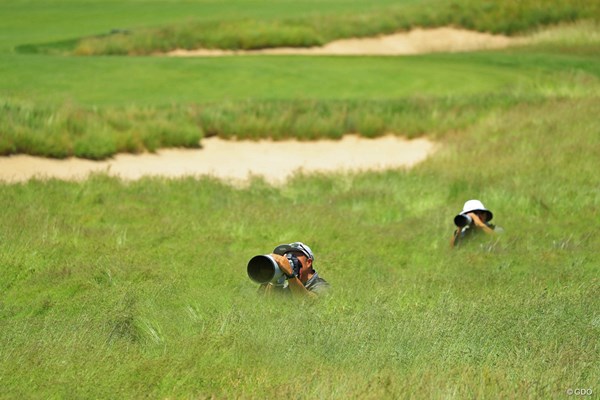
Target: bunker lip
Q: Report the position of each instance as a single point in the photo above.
(416, 41)
(233, 161)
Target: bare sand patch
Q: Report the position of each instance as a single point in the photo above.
(233, 161)
(417, 41)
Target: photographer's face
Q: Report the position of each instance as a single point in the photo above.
(482, 215)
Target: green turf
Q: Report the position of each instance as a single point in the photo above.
(159, 81)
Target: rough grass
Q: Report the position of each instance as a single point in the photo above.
(506, 17)
(139, 289)
(100, 133)
(94, 133)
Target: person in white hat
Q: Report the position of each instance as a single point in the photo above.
(304, 281)
(473, 219)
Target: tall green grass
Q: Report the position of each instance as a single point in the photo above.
(506, 17)
(577, 38)
(139, 289)
(101, 133)
(92, 133)
(306, 120)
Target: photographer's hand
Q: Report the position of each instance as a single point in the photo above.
(480, 224)
(296, 286)
(284, 264)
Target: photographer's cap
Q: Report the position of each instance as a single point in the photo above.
(476, 205)
(296, 246)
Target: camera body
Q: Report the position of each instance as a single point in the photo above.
(294, 263)
(462, 220)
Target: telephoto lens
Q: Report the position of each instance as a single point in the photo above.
(264, 269)
(462, 220)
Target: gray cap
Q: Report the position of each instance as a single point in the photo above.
(296, 246)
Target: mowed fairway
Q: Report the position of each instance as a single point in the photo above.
(159, 81)
(149, 80)
(112, 289)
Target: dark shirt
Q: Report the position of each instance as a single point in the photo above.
(316, 284)
(469, 232)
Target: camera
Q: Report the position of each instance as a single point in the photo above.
(294, 263)
(462, 220)
(264, 269)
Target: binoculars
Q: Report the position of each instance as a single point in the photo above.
(264, 269)
(462, 220)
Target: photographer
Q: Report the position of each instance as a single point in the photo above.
(473, 220)
(295, 260)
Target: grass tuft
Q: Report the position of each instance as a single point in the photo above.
(94, 133)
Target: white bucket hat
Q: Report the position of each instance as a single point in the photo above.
(476, 205)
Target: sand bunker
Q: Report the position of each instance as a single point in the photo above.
(234, 161)
(417, 41)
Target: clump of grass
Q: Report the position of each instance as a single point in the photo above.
(95, 145)
(238, 35)
(581, 33)
(70, 130)
(331, 119)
